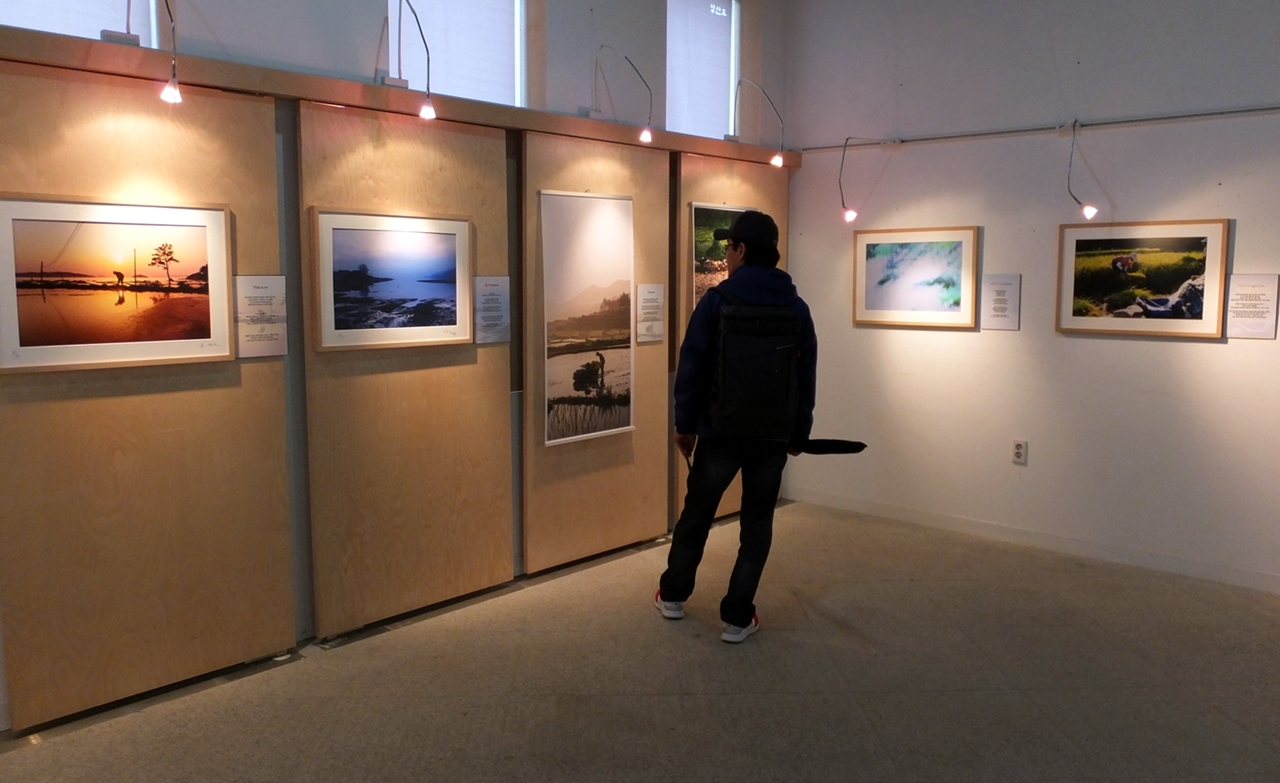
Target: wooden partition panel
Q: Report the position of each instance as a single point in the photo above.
(586, 497)
(144, 529)
(411, 495)
(731, 183)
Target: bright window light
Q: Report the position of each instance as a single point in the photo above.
(476, 48)
(701, 65)
(81, 18)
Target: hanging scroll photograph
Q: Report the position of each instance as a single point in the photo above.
(924, 277)
(104, 285)
(390, 281)
(1163, 279)
(588, 265)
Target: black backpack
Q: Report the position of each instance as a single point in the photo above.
(754, 387)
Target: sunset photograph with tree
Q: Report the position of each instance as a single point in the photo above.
(84, 283)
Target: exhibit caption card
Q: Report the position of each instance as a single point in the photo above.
(1251, 307)
(1002, 302)
(260, 316)
(649, 312)
(493, 309)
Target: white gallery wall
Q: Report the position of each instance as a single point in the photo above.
(1157, 452)
(339, 38)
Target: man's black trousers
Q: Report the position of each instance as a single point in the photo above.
(715, 462)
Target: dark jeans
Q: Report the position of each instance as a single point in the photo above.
(715, 462)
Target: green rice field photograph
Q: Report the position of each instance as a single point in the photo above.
(1147, 277)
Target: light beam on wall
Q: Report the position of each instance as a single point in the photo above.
(776, 160)
(1088, 209)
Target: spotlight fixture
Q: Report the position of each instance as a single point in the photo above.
(1089, 210)
(171, 93)
(776, 160)
(849, 214)
(428, 110)
(646, 135)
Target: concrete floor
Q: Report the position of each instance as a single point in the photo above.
(887, 652)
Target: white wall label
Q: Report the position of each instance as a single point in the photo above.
(1251, 306)
(493, 309)
(260, 316)
(1002, 302)
(649, 313)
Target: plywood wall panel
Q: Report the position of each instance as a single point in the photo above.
(144, 531)
(586, 497)
(410, 448)
(732, 183)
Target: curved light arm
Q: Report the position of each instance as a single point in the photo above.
(424, 43)
(738, 89)
(646, 86)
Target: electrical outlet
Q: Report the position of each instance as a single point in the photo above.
(1019, 452)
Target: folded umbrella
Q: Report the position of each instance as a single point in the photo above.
(832, 446)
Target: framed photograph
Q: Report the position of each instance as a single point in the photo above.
(916, 277)
(709, 267)
(1165, 279)
(87, 285)
(386, 281)
(588, 266)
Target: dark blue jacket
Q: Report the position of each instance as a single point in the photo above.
(756, 285)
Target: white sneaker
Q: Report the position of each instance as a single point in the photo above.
(735, 635)
(672, 610)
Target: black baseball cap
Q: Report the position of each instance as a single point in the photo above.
(755, 228)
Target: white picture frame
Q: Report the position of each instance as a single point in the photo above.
(417, 280)
(102, 300)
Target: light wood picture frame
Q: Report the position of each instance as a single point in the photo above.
(85, 284)
(921, 277)
(391, 281)
(1159, 278)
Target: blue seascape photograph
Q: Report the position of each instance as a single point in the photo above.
(388, 279)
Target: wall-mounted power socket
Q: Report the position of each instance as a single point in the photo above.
(1019, 452)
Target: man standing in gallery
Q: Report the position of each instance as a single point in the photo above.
(719, 451)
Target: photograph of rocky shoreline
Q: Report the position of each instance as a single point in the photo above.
(386, 279)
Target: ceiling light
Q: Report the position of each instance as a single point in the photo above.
(646, 135)
(850, 216)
